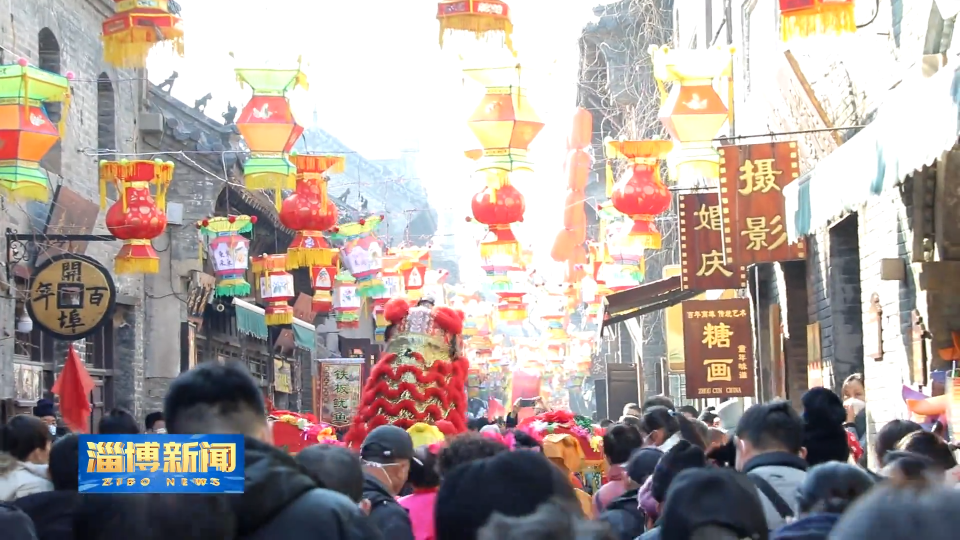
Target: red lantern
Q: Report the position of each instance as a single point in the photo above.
(137, 218)
(310, 212)
(497, 209)
(323, 278)
(414, 274)
(640, 194)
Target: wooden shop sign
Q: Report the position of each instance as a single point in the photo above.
(71, 296)
(752, 178)
(718, 342)
(702, 263)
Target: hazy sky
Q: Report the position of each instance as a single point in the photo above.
(379, 82)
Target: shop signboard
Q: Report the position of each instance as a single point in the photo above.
(71, 296)
(702, 262)
(718, 339)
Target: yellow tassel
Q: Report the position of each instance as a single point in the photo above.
(129, 49)
(103, 189)
(26, 96)
(279, 318)
(480, 26)
(609, 179)
(23, 191)
(126, 266)
(64, 113)
(825, 19)
(270, 181)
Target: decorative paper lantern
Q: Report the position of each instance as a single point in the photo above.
(138, 26)
(512, 309)
(268, 127)
(362, 254)
(26, 132)
(484, 19)
(640, 194)
(380, 322)
(804, 18)
(347, 302)
(322, 278)
(309, 212)
(692, 111)
(136, 218)
(229, 252)
(276, 288)
(497, 209)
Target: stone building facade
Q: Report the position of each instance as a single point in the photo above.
(62, 36)
(873, 295)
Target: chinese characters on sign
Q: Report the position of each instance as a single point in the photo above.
(161, 464)
(283, 381)
(752, 178)
(340, 382)
(71, 296)
(701, 246)
(718, 343)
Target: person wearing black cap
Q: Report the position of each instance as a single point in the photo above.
(712, 504)
(624, 515)
(386, 454)
(47, 411)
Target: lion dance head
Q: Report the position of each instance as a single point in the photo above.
(421, 377)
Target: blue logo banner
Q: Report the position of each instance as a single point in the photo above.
(161, 464)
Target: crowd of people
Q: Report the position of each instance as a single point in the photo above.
(672, 474)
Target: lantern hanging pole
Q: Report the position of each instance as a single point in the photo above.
(17, 251)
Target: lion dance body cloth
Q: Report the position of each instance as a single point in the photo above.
(421, 376)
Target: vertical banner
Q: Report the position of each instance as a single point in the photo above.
(752, 178)
(673, 321)
(339, 383)
(702, 263)
(718, 339)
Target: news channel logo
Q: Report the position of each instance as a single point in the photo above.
(161, 464)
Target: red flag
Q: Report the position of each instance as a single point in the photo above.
(74, 386)
(495, 409)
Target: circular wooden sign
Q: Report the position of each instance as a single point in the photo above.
(71, 296)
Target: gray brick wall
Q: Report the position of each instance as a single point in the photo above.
(845, 303)
(76, 24)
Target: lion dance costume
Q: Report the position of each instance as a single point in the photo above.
(421, 377)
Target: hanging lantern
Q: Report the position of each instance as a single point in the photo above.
(347, 302)
(322, 278)
(805, 18)
(229, 250)
(309, 211)
(362, 254)
(497, 209)
(136, 218)
(276, 288)
(692, 111)
(380, 322)
(269, 129)
(481, 19)
(640, 194)
(26, 132)
(138, 27)
(512, 309)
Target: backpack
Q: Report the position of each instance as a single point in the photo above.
(780, 505)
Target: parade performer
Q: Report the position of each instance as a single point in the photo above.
(421, 376)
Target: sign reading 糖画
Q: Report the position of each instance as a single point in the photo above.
(718, 343)
(71, 296)
(752, 178)
(339, 385)
(702, 263)
(161, 464)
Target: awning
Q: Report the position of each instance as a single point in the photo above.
(304, 335)
(642, 299)
(252, 322)
(917, 123)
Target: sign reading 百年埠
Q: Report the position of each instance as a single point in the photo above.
(161, 464)
(718, 343)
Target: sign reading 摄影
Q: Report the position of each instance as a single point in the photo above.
(339, 384)
(71, 296)
(702, 264)
(718, 343)
(161, 464)
(752, 178)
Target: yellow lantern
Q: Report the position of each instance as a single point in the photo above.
(804, 18)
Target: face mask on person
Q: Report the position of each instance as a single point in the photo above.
(160, 431)
(52, 429)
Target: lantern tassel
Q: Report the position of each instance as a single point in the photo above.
(609, 177)
(129, 49)
(234, 287)
(480, 26)
(64, 113)
(278, 314)
(825, 19)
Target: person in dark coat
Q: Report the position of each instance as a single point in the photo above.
(52, 511)
(386, 454)
(623, 514)
(279, 500)
(825, 494)
(15, 524)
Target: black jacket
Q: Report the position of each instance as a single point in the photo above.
(387, 515)
(15, 524)
(52, 513)
(281, 501)
(625, 517)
